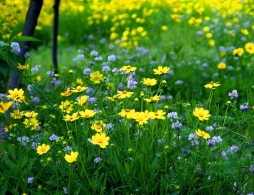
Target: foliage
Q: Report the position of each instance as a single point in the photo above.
(168, 110)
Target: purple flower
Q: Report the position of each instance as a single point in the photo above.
(92, 100)
(105, 68)
(234, 148)
(177, 125)
(53, 137)
(210, 143)
(209, 128)
(65, 189)
(35, 145)
(224, 155)
(81, 57)
(244, 107)
(121, 87)
(28, 55)
(68, 149)
(252, 168)
(111, 58)
(24, 140)
(161, 141)
(30, 179)
(217, 139)
(35, 69)
(87, 71)
(94, 53)
(35, 100)
(97, 159)
(89, 90)
(233, 94)
(172, 115)
(98, 58)
(109, 126)
(15, 47)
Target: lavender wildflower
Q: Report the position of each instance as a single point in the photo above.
(97, 159)
(120, 87)
(105, 68)
(111, 58)
(210, 143)
(92, 100)
(35, 69)
(24, 140)
(161, 141)
(28, 55)
(87, 71)
(244, 107)
(81, 57)
(177, 125)
(15, 47)
(209, 128)
(35, 145)
(94, 53)
(30, 179)
(224, 155)
(252, 169)
(115, 70)
(36, 100)
(217, 139)
(68, 149)
(132, 81)
(53, 137)
(98, 58)
(65, 189)
(109, 126)
(233, 94)
(89, 90)
(172, 115)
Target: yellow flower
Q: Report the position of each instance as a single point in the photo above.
(98, 125)
(201, 113)
(16, 95)
(221, 65)
(72, 157)
(79, 81)
(128, 69)
(4, 106)
(149, 82)
(71, 118)
(31, 114)
(16, 114)
(42, 149)
(31, 123)
(66, 106)
(161, 70)
(123, 94)
(126, 112)
(66, 93)
(38, 79)
(238, 52)
(78, 89)
(249, 47)
(212, 85)
(96, 77)
(152, 99)
(140, 117)
(100, 139)
(164, 28)
(244, 31)
(82, 100)
(202, 134)
(159, 114)
(176, 18)
(23, 67)
(87, 113)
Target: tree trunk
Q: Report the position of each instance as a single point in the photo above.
(28, 30)
(55, 33)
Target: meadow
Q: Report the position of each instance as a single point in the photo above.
(152, 97)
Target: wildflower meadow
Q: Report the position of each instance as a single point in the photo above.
(151, 97)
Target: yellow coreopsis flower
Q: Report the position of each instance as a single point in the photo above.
(82, 100)
(126, 112)
(152, 99)
(71, 118)
(149, 82)
(32, 123)
(31, 114)
(202, 134)
(98, 126)
(72, 157)
(161, 70)
(23, 67)
(159, 114)
(201, 113)
(221, 65)
(16, 95)
(100, 139)
(128, 69)
(87, 113)
(42, 149)
(212, 85)
(238, 51)
(66, 106)
(4, 106)
(249, 47)
(123, 94)
(96, 77)
(244, 31)
(66, 93)
(140, 117)
(16, 114)
(78, 89)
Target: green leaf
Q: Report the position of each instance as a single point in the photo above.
(13, 34)
(25, 38)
